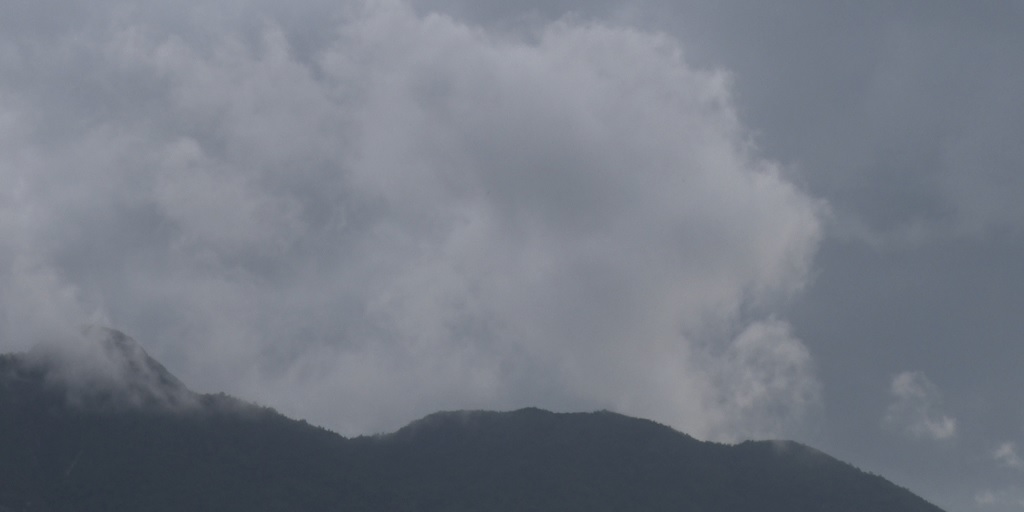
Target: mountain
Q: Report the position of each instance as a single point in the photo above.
(136, 439)
(109, 369)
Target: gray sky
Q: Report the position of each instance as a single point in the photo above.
(788, 219)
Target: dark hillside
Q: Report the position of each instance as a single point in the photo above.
(538, 460)
(153, 445)
(217, 454)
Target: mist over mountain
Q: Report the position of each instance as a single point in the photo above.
(139, 440)
(108, 369)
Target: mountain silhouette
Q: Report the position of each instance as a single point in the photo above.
(138, 440)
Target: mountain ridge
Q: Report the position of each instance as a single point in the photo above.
(220, 453)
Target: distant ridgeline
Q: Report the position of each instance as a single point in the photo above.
(124, 435)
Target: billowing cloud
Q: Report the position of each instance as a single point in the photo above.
(917, 407)
(403, 213)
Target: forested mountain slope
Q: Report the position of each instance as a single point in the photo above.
(135, 439)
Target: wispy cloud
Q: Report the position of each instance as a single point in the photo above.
(1006, 454)
(916, 407)
(1005, 498)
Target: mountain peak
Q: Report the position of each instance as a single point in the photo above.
(132, 360)
(106, 368)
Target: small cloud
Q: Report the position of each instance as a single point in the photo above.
(917, 407)
(985, 497)
(943, 428)
(1008, 497)
(1006, 454)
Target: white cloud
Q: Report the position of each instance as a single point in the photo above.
(416, 214)
(917, 407)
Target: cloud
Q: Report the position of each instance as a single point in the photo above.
(985, 498)
(765, 369)
(1006, 498)
(1006, 455)
(403, 213)
(917, 407)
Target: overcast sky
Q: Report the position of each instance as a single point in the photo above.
(743, 219)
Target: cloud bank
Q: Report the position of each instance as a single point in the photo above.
(364, 222)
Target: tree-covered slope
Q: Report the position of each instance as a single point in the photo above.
(538, 460)
(95, 445)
